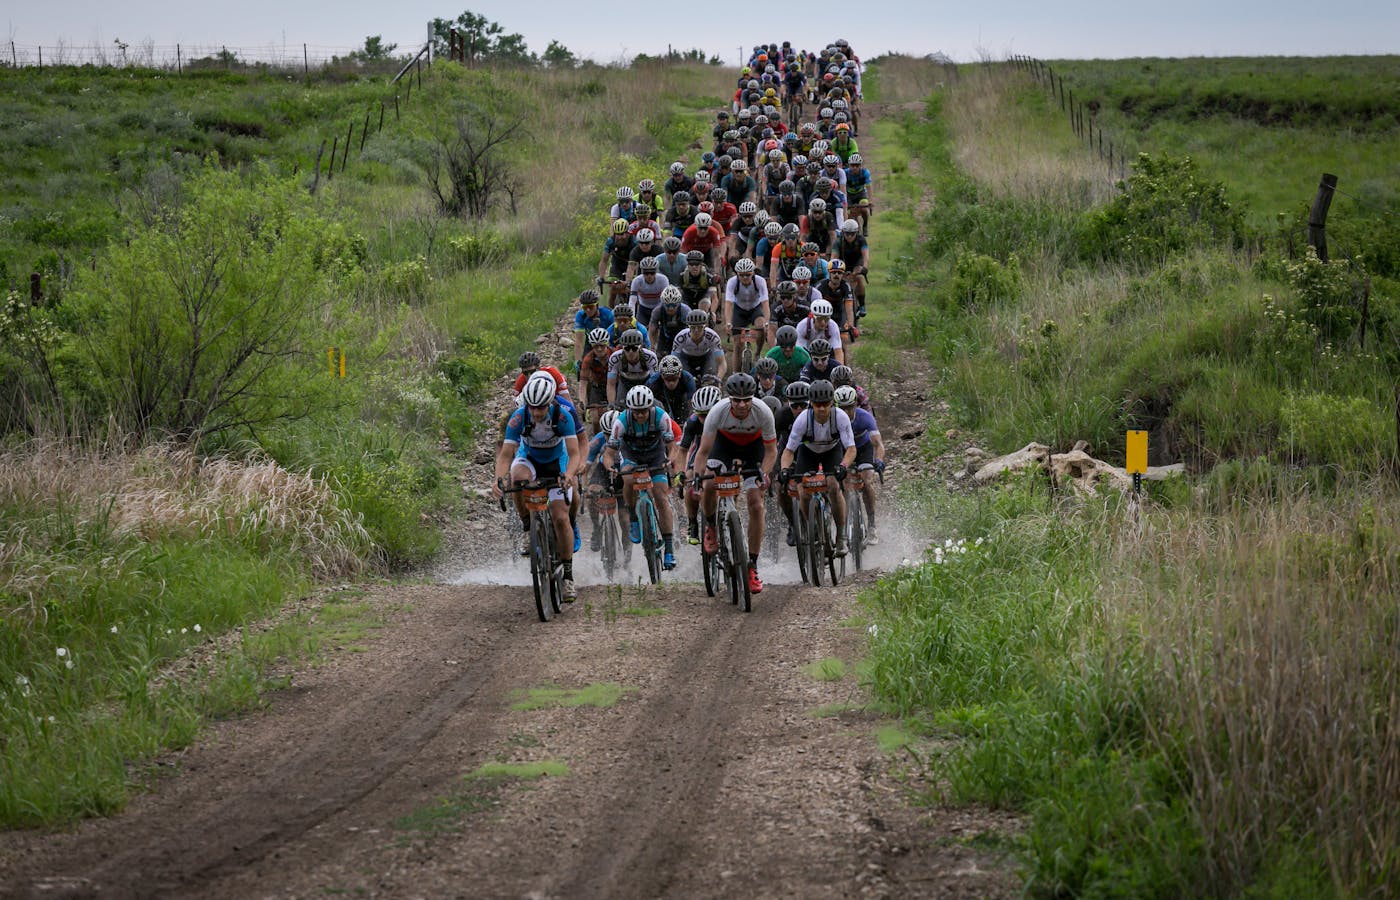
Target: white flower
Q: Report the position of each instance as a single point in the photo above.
(52, 720)
(24, 688)
(62, 652)
(184, 631)
(114, 629)
(197, 629)
(873, 630)
(68, 663)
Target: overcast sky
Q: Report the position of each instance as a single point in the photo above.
(610, 30)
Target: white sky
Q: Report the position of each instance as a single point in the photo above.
(606, 31)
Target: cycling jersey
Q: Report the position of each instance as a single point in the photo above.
(786, 259)
(857, 181)
(808, 331)
(676, 400)
(746, 297)
(788, 208)
(685, 346)
(560, 385)
(678, 183)
(626, 211)
(850, 251)
(738, 188)
(666, 323)
(618, 249)
(844, 148)
(693, 239)
(541, 441)
(602, 318)
(670, 265)
(725, 215)
(645, 295)
(789, 315)
(790, 367)
(821, 437)
(615, 333)
(639, 252)
(676, 222)
(836, 295)
(690, 437)
(695, 288)
(811, 372)
(755, 428)
(594, 369)
(778, 388)
(632, 372)
(863, 426)
(637, 434)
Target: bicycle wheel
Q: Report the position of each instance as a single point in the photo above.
(540, 574)
(651, 539)
(739, 542)
(746, 357)
(556, 570)
(610, 544)
(855, 526)
(709, 562)
(800, 532)
(829, 544)
(815, 511)
(732, 571)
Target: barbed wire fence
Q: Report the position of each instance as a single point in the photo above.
(303, 58)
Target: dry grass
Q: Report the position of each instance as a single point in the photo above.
(1005, 148)
(907, 79)
(163, 491)
(1281, 664)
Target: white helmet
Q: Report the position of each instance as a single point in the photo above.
(831, 159)
(846, 395)
(539, 391)
(598, 336)
(671, 295)
(671, 365)
(850, 226)
(821, 308)
(743, 266)
(624, 193)
(677, 168)
(644, 235)
(705, 398)
(703, 220)
(819, 205)
(640, 397)
(802, 273)
(748, 208)
(606, 421)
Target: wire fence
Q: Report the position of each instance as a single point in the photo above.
(180, 58)
(1082, 117)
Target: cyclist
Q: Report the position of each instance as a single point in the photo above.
(672, 387)
(680, 215)
(844, 145)
(787, 256)
(699, 287)
(600, 480)
(593, 375)
(590, 316)
(802, 275)
(625, 207)
(683, 458)
(671, 261)
(821, 436)
(843, 376)
(725, 213)
(643, 247)
(641, 437)
(819, 369)
(625, 320)
(645, 220)
(770, 383)
(853, 249)
(629, 366)
(699, 348)
(738, 428)
(796, 396)
(746, 297)
(530, 364)
(831, 169)
(541, 441)
(788, 311)
(870, 452)
(786, 206)
(707, 237)
(821, 326)
(646, 288)
(819, 226)
(678, 181)
(617, 250)
(791, 359)
(836, 290)
(860, 193)
(669, 319)
(763, 250)
(835, 200)
(738, 183)
(744, 231)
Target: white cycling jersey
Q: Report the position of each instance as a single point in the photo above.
(821, 437)
(746, 297)
(708, 344)
(807, 332)
(636, 371)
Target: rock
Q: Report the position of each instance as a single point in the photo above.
(544, 338)
(1081, 446)
(1076, 468)
(1030, 455)
(910, 435)
(950, 433)
(565, 341)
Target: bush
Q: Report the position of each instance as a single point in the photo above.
(1322, 428)
(1165, 208)
(1327, 293)
(979, 281)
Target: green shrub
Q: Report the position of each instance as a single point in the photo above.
(1348, 431)
(1166, 207)
(1326, 293)
(980, 281)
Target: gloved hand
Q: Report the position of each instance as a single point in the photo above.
(840, 473)
(855, 334)
(879, 465)
(578, 367)
(784, 477)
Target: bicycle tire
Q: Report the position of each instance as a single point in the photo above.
(610, 544)
(556, 570)
(855, 526)
(746, 357)
(800, 530)
(651, 541)
(829, 544)
(814, 539)
(709, 562)
(731, 564)
(540, 574)
(737, 538)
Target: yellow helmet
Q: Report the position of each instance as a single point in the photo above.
(619, 226)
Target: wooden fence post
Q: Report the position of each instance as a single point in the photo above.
(36, 290)
(1317, 216)
(335, 146)
(381, 115)
(41, 58)
(316, 182)
(345, 157)
(179, 62)
(305, 62)
(396, 107)
(364, 132)
(1365, 311)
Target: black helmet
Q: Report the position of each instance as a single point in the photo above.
(681, 196)
(786, 187)
(798, 391)
(698, 256)
(697, 317)
(819, 347)
(740, 385)
(842, 375)
(589, 297)
(671, 244)
(631, 338)
(766, 365)
(529, 360)
(787, 336)
(822, 392)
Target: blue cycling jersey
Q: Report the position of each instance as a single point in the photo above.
(602, 318)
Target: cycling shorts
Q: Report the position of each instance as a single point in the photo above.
(549, 469)
(652, 459)
(865, 456)
(750, 456)
(807, 460)
(743, 318)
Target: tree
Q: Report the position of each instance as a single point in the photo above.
(483, 40)
(468, 171)
(557, 56)
(374, 50)
(206, 319)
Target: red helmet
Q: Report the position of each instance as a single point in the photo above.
(706, 206)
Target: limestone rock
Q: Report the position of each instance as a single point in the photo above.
(1032, 454)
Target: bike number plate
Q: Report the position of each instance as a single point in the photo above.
(727, 485)
(607, 504)
(536, 499)
(641, 480)
(815, 481)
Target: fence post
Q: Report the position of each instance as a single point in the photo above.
(345, 157)
(14, 59)
(179, 62)
(1317, 216)
(36, 292)
(305, 62)
(364, 132)
(41, 58)
(396, 107)
(381, 115)
(316, 182)
(420, 73)
(228, 63)
(335, 147)
(1365, 311)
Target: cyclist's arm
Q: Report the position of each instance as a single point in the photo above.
(576, 459)
(877, 445)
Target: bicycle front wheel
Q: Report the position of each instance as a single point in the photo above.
(540, 575)
(709, 562)
(651, 539)
(829, 545)
(815, 512)
(799, 531)
(730, 552)
(739, 545)
(855, 526)
(609, 544)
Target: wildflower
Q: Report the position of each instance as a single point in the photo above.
(51, 720)
(68, 663)
(24, 688)
(62, 652)
(197, 629)
(114, 629)
(184, 631)
(873, 630)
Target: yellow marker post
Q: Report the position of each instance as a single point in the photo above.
(1137, 457)
(335, 358)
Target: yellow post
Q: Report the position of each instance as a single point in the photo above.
(1137, 453)
(342, 363)
(330, 359)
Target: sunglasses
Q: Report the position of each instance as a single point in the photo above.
(734, 400)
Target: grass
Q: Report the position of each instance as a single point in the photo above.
(479, 791)
(828, 669)
(1134, 682)
(600, 694)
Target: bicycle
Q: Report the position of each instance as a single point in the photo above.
(820, 530)
(731, 558)
(645, 515)
(746, 338)
(855, 511)
(611, 548)
(794, 110)
(618, 289)
(546, 570)
(799, 529)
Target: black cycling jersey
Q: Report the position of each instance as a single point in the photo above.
(784, 316)
(697, 288)
(838, 297)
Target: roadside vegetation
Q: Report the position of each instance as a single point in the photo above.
(1197, 697)
(180, 454)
